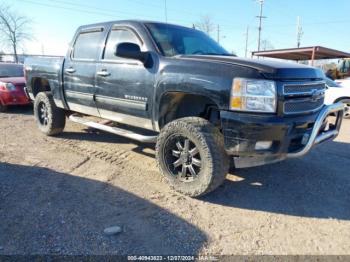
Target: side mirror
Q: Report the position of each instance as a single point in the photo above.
(131, 51)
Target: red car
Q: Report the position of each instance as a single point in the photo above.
(12, 83)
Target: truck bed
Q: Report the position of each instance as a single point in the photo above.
(49, 68)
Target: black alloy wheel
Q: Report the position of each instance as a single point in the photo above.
(182, 158)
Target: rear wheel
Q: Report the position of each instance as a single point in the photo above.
(51, 120)
(190, 153)
(346, 103)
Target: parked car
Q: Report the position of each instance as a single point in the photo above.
(338, 93)
(344, 82)
(202, 105)
(12, 83)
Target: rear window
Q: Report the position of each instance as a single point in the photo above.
(11, 70)
(88, 45)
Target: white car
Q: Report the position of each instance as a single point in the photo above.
(344, 82)
(338, 93)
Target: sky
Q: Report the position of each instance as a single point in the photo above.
(325, 23)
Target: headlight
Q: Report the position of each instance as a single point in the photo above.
(253, 95)
(10, 86)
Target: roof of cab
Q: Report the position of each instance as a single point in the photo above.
(130, 22)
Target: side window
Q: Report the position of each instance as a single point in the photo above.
(87, 45)
(116, 37)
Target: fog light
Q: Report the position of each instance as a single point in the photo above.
(305, 139)
(263, 145)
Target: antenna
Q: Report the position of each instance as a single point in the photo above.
(166, 11)
(300, 32)
(219, 34)
(42, 49)
(261, 2)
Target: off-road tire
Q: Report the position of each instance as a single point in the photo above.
(210, 143)
(347, 103)
(56, 118)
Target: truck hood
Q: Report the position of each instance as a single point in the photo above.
(271, 69)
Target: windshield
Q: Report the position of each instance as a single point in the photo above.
(11, 70)
(176, 40)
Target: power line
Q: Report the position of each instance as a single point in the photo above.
(90, 9)
(311, 23)
(69, 8)
(111, 11)
(61, 4)
(103, 12)
(280, 10)
(168, 10)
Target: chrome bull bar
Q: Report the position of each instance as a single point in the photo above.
(317, 135)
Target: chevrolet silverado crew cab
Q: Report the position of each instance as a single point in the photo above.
(176, 87)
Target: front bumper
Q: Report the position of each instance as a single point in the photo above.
(290, 137)
(15, 97)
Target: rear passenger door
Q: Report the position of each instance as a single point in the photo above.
(80, 69)
(124, 87)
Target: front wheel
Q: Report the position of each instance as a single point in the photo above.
(51, 120)
(190, 154)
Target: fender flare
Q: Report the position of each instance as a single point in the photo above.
(342, 98)
(178, 98)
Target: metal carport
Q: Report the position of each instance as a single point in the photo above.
(304, 53)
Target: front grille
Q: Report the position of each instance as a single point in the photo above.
(302, 106)
(302, 98)
(302, 89)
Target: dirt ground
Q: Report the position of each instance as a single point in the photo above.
(57, 195)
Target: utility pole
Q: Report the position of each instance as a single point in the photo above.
(166, 11)
(260, 21)
(300, 32)
(219, 34)
(42, 49)
(246, 42)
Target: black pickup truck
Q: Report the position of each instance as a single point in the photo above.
(177, 87)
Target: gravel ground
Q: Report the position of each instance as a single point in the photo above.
(57, 195)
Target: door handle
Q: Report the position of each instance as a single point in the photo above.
(103, 73)
(70, 70)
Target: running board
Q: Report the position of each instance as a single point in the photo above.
(113, 130)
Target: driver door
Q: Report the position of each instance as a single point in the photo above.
(124, 87)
